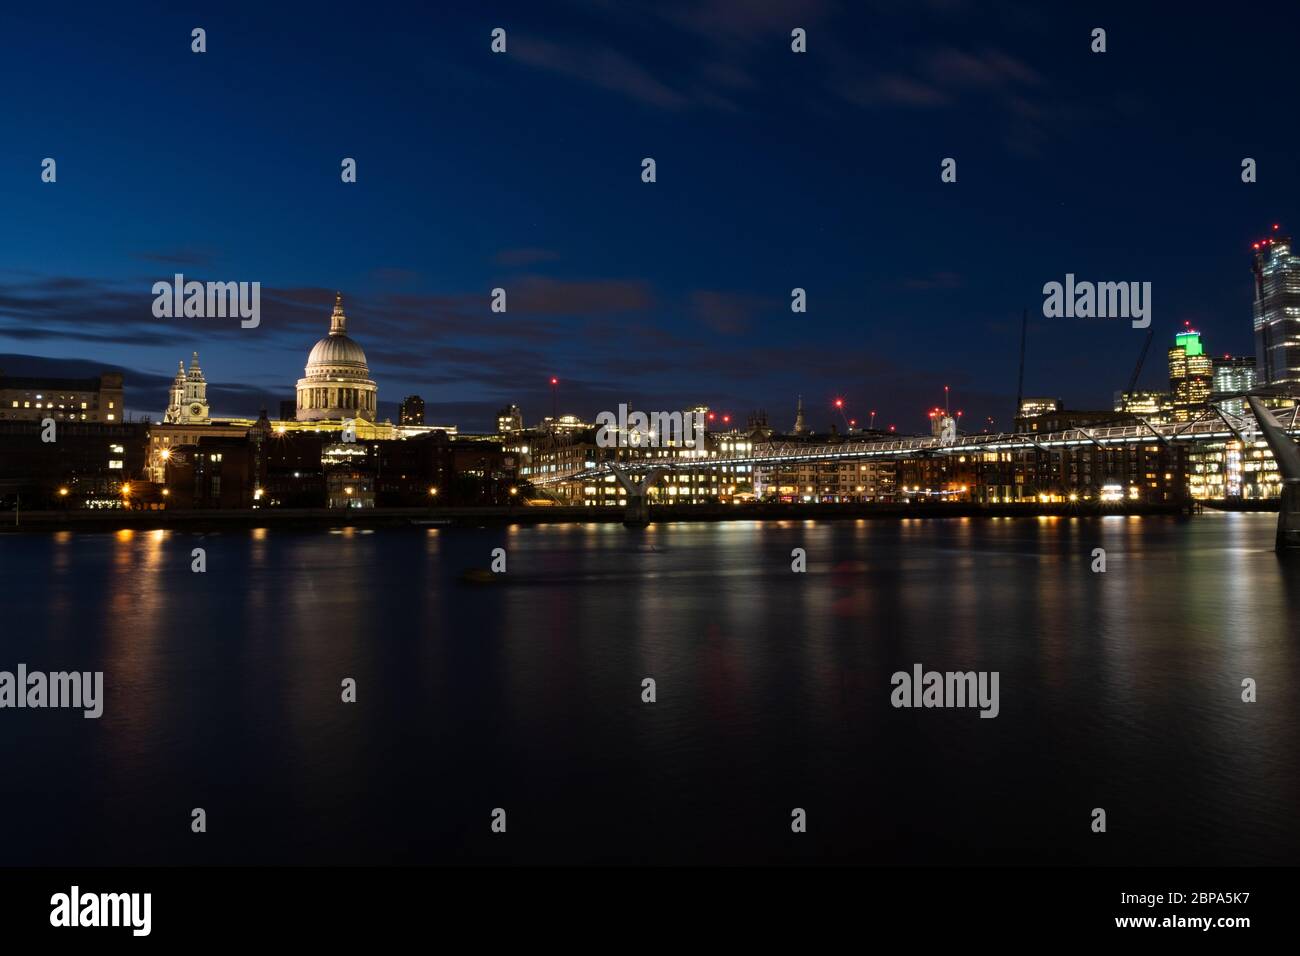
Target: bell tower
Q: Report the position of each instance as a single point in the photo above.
(196, 393)
(176, 397)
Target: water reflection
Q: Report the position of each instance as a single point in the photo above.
(1120, 687)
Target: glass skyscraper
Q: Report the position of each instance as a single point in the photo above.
(1277, 311)
(1234, 374)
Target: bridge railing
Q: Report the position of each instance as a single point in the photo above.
(1207, 427)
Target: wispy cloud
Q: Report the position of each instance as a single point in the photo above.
(600, 66)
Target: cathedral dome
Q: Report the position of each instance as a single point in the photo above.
(336, 383)
(337, 349)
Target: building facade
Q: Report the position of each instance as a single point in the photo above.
(91, 465)
(1156, 407)
(411, 411)
(62, 399)
(1277, 311)
(510, 420)
(1234, 374)
(1191, 375)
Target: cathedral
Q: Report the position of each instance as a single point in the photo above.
(187, 402)
(336, 383)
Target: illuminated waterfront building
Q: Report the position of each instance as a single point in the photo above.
(1227, 469)
(87, 467)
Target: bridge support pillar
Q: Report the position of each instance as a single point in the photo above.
(1286, 453)
(637, 514)
(1288, 522)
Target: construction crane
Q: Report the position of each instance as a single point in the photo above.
(1020, 383)
(1137, 369)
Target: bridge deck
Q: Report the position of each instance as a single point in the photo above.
(1221, 427)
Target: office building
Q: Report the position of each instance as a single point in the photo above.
(1277, 311)
(411, 411)
(1234, 374)
(510, 420)
(36, 398)
(1191, 375)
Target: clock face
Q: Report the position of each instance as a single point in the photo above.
(195, 409)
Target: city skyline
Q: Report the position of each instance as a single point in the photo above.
(912, 283)
(836, 413)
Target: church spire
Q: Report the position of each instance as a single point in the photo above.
(338, 321)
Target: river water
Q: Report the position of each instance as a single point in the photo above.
(1119, 690)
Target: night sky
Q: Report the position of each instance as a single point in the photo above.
(522, 170)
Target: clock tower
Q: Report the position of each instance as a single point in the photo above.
(194, 410)
(187, 400)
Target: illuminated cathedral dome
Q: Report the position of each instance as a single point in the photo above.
(337, 350)
(336, 383)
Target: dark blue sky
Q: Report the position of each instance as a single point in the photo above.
(522, 170)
